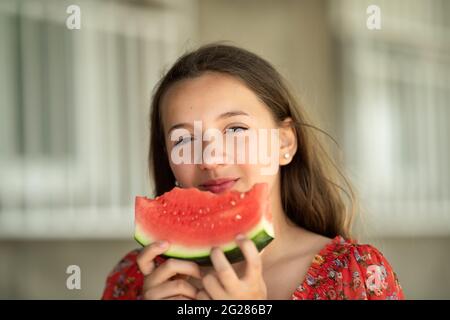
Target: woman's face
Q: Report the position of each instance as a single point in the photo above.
(221, 102)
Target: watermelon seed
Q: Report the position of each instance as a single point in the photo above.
(200, 211)
(242, 195)
(233, 203)
(207, 209)
(238, 217)
(212, 225)
(164, 211)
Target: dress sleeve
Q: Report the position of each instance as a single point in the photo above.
(370, 276)
(124, 282)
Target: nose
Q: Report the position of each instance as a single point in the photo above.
(211, 162)
(209, 166)
(212, 157)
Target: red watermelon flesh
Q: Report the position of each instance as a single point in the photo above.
(194, 221)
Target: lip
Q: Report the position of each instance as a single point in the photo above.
(219, 185)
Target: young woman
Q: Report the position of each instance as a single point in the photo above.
(312, 255)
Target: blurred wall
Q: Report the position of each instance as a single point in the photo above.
(37, 269)
(293, 35)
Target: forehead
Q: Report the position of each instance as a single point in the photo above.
(206, 97)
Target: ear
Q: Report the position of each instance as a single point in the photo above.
(288, 141)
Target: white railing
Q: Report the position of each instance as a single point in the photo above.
(395, 85)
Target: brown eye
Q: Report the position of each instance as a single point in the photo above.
(235, 129)
(182, 140)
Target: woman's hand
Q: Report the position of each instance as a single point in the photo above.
(226, 285)
(166, 281)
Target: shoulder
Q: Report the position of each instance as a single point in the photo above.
(125, 280)
(345, 269)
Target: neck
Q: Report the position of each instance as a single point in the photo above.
(286, 232)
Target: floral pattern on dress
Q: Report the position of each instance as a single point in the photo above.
(345, 270)
(342, 270)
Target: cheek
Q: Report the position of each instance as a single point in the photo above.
(251, 174)
(261, 156)
(184, 173)
(256, 147)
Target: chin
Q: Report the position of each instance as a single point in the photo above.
(242, 187)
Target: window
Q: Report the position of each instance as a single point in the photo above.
(74, 113)
(395, 85)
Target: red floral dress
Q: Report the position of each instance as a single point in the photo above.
(342, 270)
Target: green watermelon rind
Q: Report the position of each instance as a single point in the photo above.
(261, 235)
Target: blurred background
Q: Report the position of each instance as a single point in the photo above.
(74, 106)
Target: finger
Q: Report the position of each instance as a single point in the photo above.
(171, 268)
(179, 298)
(225, 271)
(213, 287)
(172, 289)
(180, 276)
(252, 257)
(202, 295)
(148, 254)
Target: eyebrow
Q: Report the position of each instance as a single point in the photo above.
(224, 115)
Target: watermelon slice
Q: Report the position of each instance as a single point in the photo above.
(194, 221)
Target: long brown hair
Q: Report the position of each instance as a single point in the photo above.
(311, 193)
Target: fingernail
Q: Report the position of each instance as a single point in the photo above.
(214, 249)
(240, 237)
(162, 244)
